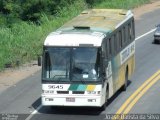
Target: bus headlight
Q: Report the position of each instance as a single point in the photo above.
(49, 99)
(91, 92)
(47, 91)
(94, 92)
(98, 92)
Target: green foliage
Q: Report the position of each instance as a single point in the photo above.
(92, 3)
(22, 40)
(31, 10)
(119, 4)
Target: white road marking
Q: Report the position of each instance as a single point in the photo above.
(139, 37)
(35, 111)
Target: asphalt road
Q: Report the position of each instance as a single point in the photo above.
(23, 99)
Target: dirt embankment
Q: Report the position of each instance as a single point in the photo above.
(10, 77)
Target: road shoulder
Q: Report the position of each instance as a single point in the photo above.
(10, 76)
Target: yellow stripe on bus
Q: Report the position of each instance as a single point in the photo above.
(91, 87)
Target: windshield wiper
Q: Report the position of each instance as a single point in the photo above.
(59, 75)
(59, 78)
(78, 79)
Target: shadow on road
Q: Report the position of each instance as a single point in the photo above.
(73, 111)
(37, 103)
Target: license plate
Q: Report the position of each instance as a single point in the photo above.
(70, 99)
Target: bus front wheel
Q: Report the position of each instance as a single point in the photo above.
(124, 87)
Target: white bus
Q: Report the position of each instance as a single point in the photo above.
(88, 59)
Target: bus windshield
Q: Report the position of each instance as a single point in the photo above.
(71, 64)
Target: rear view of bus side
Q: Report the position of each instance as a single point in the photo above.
(88, 59)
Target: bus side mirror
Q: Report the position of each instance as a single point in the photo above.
(39, 60)
(104, 60)
(105, 63)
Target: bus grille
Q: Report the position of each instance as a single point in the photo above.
(62, 92)
(77, 92)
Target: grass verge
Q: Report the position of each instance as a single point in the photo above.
(23, 41)
(121, 4)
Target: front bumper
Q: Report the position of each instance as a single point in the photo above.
(156, 37)
(57, 100)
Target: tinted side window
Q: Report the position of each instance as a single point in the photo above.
(133, 30)
(110, 46)
(120, 39)
(129, 32)
(115, 43)
(124, 36)
(126, 33)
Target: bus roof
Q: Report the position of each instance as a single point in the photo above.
(74, 39)
(90, 27)
(102, 20)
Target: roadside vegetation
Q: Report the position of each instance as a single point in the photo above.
(118, 4)
(24, 24)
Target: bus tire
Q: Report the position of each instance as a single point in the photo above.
(124, 87)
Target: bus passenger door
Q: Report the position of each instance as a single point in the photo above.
(109, 78)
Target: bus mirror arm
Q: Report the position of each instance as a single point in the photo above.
(105, 64)
(104, 78)
(39, 60)
(104, 72)
(104, 75)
